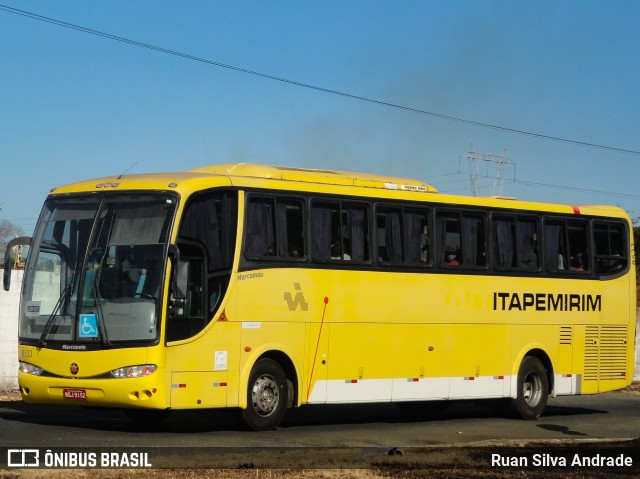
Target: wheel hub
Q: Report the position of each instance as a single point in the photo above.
(532, 389)
(265, 395)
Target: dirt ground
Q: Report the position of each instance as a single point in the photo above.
(454, 462)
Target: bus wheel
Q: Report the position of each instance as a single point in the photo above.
(533, 389)
(266, 396)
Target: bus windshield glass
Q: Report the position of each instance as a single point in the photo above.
(95, 272)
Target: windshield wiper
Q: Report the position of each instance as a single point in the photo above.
(96, 255)
(104, 338)
(54, 314)
(64, 296)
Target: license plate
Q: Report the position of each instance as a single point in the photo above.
(75, 394)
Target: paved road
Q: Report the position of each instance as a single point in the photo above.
(609, 416)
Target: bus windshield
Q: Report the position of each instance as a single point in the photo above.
(95, 271)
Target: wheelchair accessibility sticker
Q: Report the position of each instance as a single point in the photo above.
(88, 327)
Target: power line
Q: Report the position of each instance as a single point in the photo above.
(583, 190)
(352, 96)
(439, 176)
(535, 184)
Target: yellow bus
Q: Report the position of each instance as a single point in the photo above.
(264, 288)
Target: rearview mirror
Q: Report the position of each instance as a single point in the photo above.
(21, 241)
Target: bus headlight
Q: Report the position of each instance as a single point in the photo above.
(29, 368)
(134, 371)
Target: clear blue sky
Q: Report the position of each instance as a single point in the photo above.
(77, 106)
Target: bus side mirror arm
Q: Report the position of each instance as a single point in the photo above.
(174, 253)
(21, 241)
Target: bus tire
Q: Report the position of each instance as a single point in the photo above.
(533, 389)
(267, 396)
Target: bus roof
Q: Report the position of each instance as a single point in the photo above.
(257, 175)
(327, 177)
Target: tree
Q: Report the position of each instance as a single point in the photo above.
(8, 231)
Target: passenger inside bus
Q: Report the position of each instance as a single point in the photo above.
(337, 252)
(578, 262)
(451, 256)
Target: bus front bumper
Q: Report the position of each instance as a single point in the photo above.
(143, 392)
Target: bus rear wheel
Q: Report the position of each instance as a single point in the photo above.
(266, 396)
(533, 389)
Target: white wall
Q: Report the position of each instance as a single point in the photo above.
(9, 301)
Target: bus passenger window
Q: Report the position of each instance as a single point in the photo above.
(340, 232)
(566, 246)
(260, 230)
(462, 239)
(610, 247)
(402, 236)
(274, 228)
(516, 243)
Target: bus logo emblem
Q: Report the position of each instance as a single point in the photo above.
(74, 368)
(297, 301)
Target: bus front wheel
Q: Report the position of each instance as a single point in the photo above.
(266, 396)
(533, 389)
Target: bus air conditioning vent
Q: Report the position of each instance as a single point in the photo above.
(605, 352)
(566, 335)
(613, 352)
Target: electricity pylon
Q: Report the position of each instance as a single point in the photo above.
(491, 162)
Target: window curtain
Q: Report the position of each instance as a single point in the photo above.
(471, 241)
(201, 224)
(504, 243)
(321, 231)
(392, 236)
(228, 225)
(413, 230)
(260, 238)
(356, 233)
(281, 229)
(553, 247)
(526, 244)
(129, 229)
(442, 235)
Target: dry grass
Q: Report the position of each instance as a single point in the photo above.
(408, 472)
(193, 473)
